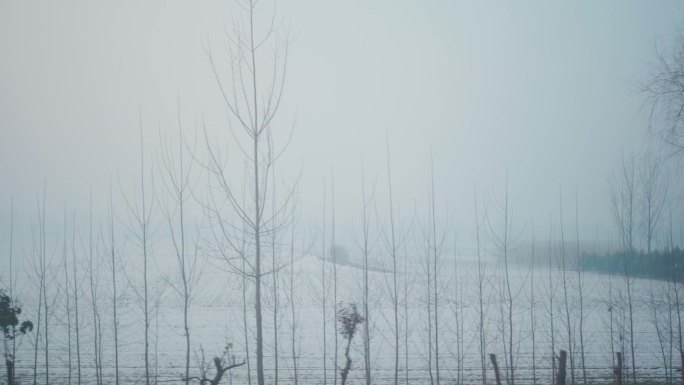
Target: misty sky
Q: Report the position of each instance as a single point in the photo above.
(543, 90)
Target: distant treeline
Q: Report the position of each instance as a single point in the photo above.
(662, 265)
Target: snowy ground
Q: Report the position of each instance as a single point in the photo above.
(216, 320)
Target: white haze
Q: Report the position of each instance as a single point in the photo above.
(541, 90)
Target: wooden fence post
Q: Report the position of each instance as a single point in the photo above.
(618, 369)
(492, 357)
(560, 379)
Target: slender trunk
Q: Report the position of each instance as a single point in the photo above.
(532, 319)
(10, 351)
(77, 330)
(393, 252)
(68, 302)
(429, 312)
(334, 260)
(41, 292)
(156, 337)
(509, 294)
(565, 294)
(324, 295)
(244, 316)
(610, 311)
(630, 319)
(366, 332)
(480, 296)
(551, 304)
(274, 274)
(675, 289)
(679, 327)
(142, 221)
(115, 319)
(9, 361)
(295, 369)
(658, 329)
(458, 320)
(406, 317)
(257, 206)
(44, 269)
(93, 297)
(434, 266)
(580, 293)
(37, 340)
(347, 366)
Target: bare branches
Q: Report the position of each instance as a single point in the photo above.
(664, 92)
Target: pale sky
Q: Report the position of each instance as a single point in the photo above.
(541, 90)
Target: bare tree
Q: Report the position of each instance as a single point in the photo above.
(324, 294)
(675, 287)
(333, 251)
(623, 195)
(458, 312)
(653, 187)
(551, 293)
(41, 269)
(11, 351)
(293, 310)
(365, 250)
(252, 110)
(66, 297)
(140, 212)
(664, 91)
(503, 238)
(77, 329)
(566, 301)
(428, 303)
(480, 295)
(533, 321)
(44, 284)
(392, 246)
(179, 187)
(436, 250)
(580, 291)
(93, 279)
(274, 282)
(113, 260)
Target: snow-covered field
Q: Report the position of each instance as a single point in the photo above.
(216, 320)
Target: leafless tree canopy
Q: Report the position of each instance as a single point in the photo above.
(665, 95)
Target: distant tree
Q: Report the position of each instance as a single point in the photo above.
(349, 317)
(652, 186)
(178, 181)
(623, 195)
(502, 238)
(664, 91)
(11, 329)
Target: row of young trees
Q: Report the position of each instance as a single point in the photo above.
(490, 305)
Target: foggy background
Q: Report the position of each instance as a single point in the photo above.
(542, 90)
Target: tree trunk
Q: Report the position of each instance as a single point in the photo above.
(10, 372)
(347, 365)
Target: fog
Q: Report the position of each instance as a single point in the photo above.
(543, 91)
(258, 179)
